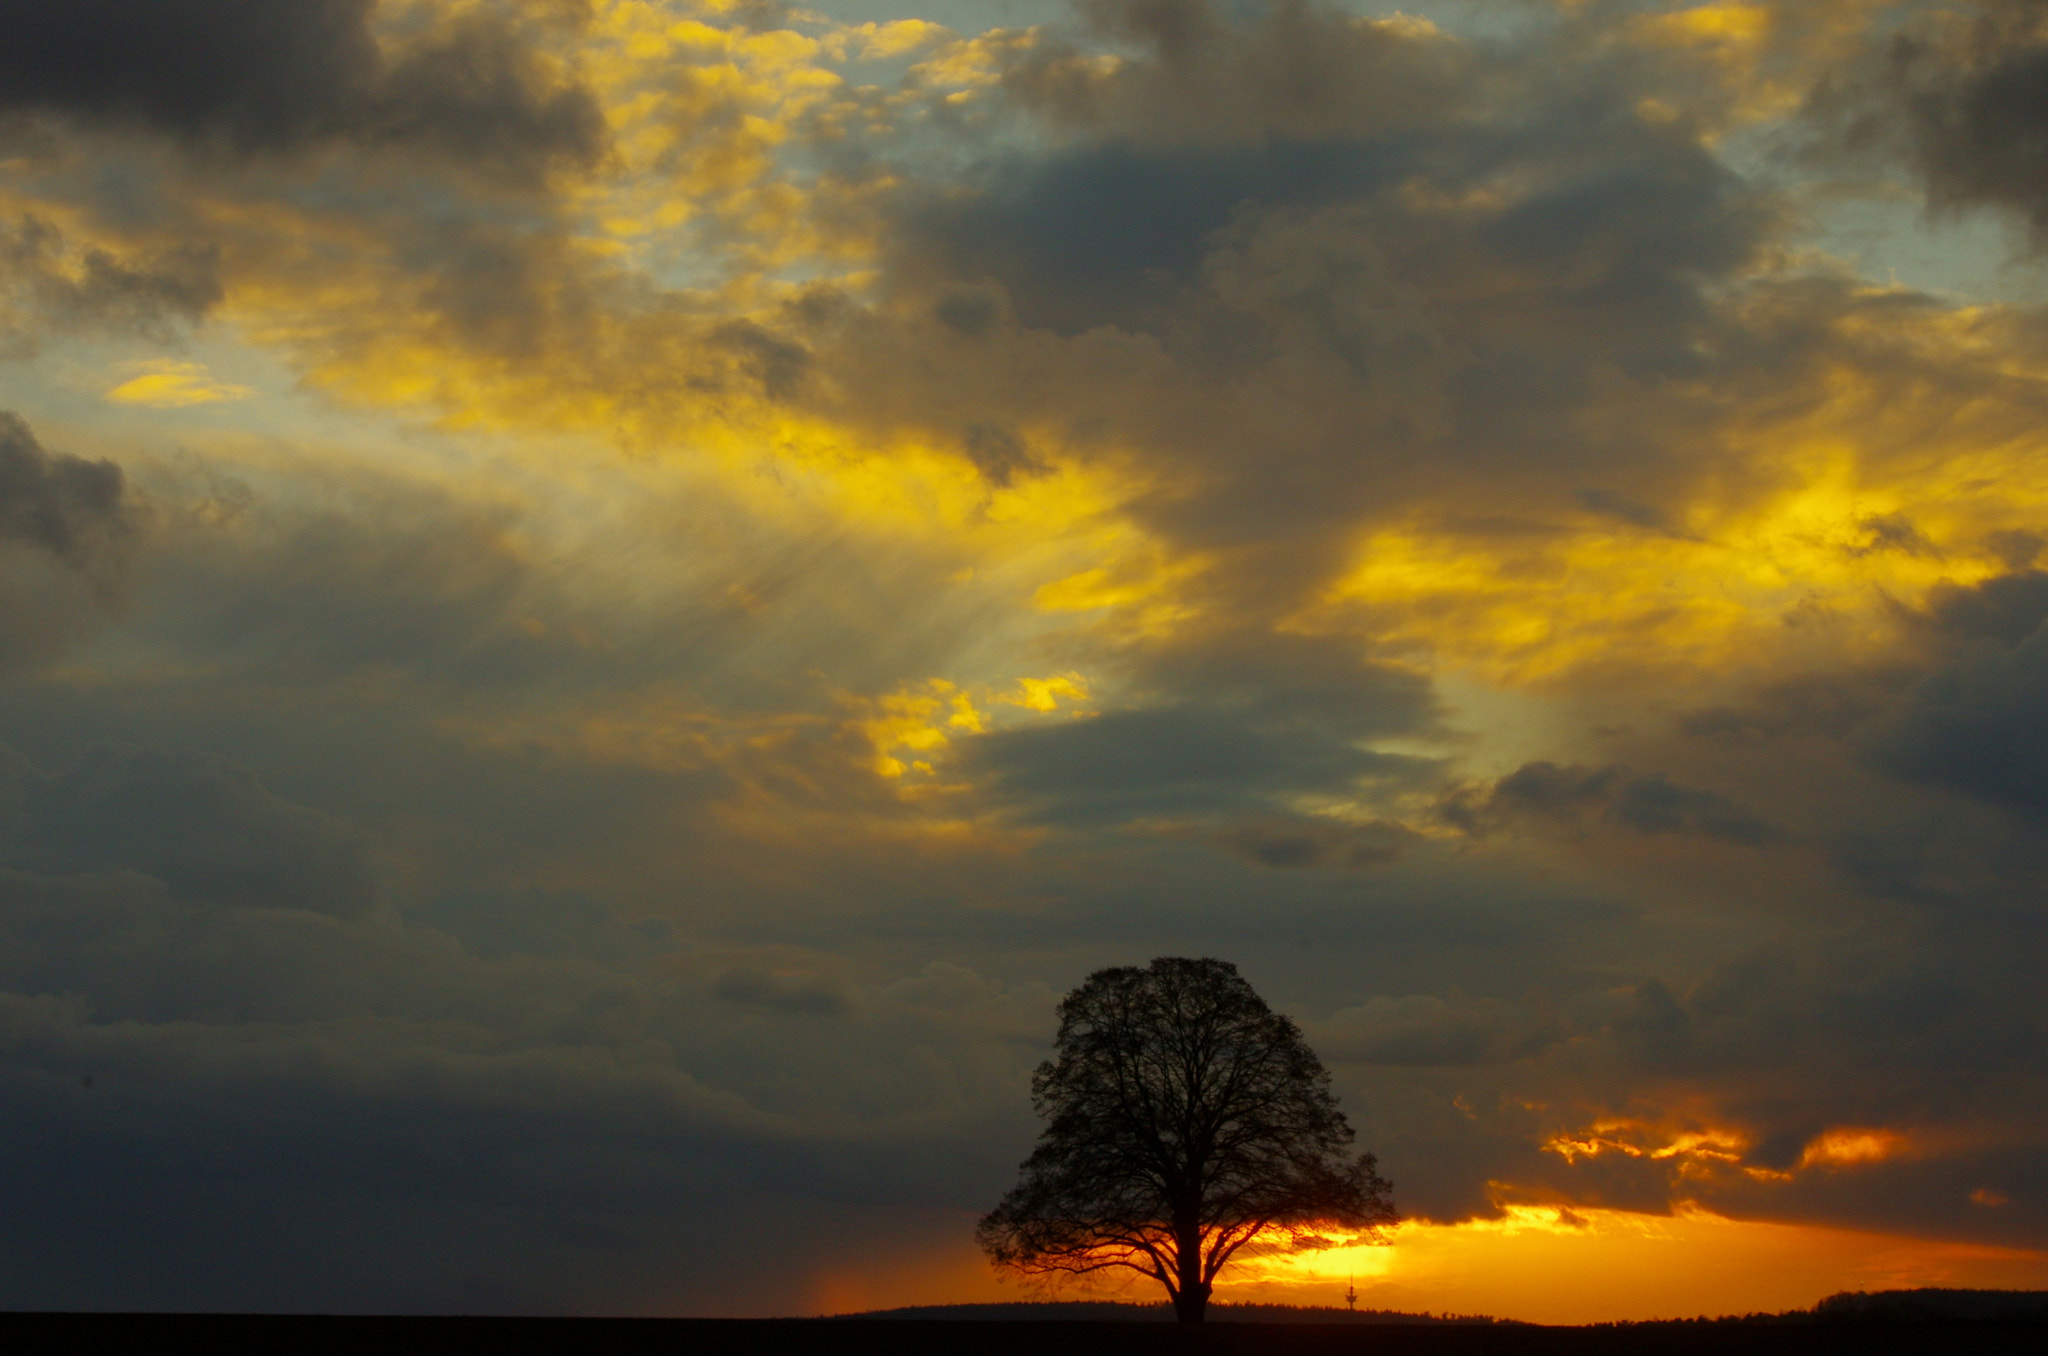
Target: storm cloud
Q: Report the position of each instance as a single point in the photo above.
(1964, 93)
(1976, 722)
(203, 827)
(64, 505)
(46, 288)
(256, 76)
(1612, 795)
(66, 528)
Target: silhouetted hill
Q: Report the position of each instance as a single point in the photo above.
(1112, 1311)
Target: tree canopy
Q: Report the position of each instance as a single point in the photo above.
(1185, 1119)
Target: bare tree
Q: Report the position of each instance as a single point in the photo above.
(1185, 1120)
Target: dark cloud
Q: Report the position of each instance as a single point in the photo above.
(1826, 706)
(1237, 721)
(1379, 282)
(1862, 1028)
(968, 313)
(1116, 234)
(1973, 95)
(1951, 708)
(1891, 532)
(67, 528)
(69, 507)
(1627, 510)
(339, 598)
(776, 363)
(1978, 724)
(479, 95)
(207, 829)
(526, 1133)
(2006, 608)
(1291, 843)
(554, 923)
(1877, 1029)
(1968, 715)
(261, 71)
(1273, 73)
(1721, 1087)
(2018, 548)
(1000, 454)
(1618, 221)
(1275, 677)
(1172, 761)
(801, 995)
(282, 75)
(1646, 803)
(47, 288)
(1169, 761)
(1425, 1030)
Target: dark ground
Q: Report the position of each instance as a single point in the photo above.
(910, 1337)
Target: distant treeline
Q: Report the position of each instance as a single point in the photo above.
(1938, 1306)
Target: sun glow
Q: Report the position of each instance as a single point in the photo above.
(1560, 1264)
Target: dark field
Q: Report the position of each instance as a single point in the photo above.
(904, 1337)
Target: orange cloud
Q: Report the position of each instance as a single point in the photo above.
(1846, 1147)
(1636, 1139)
(1696, 1152)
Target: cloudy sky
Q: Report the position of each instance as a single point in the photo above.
(603, 602)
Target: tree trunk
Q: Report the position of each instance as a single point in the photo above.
(1191, 1295)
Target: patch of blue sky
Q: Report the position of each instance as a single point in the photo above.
(224, 392)
(1477, 18)
(966, 17)
(1969, 256)
(1883, 229)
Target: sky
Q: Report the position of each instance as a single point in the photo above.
(604, 602)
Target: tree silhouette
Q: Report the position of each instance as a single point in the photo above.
(1185, 1119)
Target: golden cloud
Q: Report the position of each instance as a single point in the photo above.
(166, 384)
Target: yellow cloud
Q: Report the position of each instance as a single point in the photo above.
(1716, 23)
(1145, 591)
(880, 41)
(165, 384)
(1811, 547)
(912, 721)
(923, 718)
(1045, 694)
